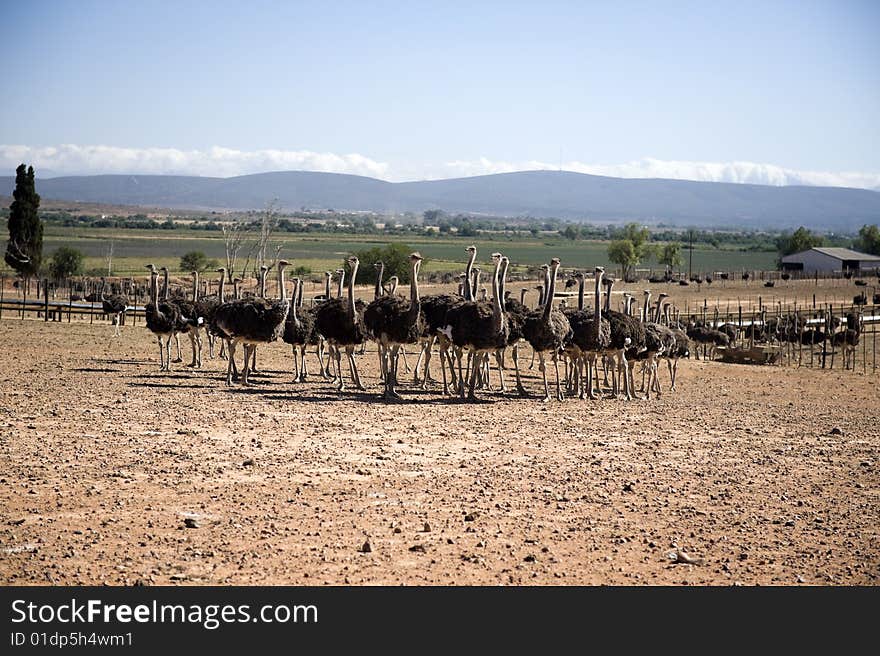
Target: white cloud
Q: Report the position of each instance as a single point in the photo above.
(70, 159)
(739, 172)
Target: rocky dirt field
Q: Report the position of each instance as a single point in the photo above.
(113, 472)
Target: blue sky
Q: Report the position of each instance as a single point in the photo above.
(777, 92)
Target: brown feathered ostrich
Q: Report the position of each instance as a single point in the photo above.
(114, 305)
(251, 321)
(393, 321)
(627, 338)
(546, 331)
(434, 310)
(341, 324)
(162, 319)
(299, 331)
(480, 327)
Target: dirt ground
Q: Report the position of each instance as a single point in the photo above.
(113, 472)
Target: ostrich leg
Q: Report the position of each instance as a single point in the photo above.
(623, 370)
(543, 369)
(245, 372)
(295, 363)
(304, 372)
(230, 361)
(515, 355)
(161, 353)
(390, 392)
(192, 343)
(499, 360)
(559, 395)
(352, 365)
(405, 364)
(337, 355)
(168, 354)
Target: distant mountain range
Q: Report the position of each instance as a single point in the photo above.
(558, 194)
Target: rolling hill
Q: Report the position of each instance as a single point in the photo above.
(528, 193)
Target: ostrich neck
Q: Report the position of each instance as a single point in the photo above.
(548, 306)
(502, 286)
(281, 285)
(522, 296)
(326, 287)
(165, 292)
(467, 281)
(262, 283)
(608, 297)
(547, 297)
(475, 285)
(354, 270)
(341, 285)
(296, 285)
(497, 308)
(647, 313)
(597, 316)
(378, 291)
(414, 286)
(299, 293)
(154, 289)
(196, 287)
(103, 285)
(581, 294)
(222, 291)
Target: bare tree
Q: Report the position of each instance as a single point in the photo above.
(233, 234)
(109, 257)
(268, 223)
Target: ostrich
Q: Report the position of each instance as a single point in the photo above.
(299, 331)
(393, 321)
(190, 321)
(516, 314)
(252, 321)
(591, 334)
(341, 324)
(682, 348)
(434, 309)
(848, 339)
(546, 330)
(659, 341)
(162, 319)
(116, 305)
(627, 335)
(479, 326)
(207, 304)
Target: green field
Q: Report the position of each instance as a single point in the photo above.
(134, 248)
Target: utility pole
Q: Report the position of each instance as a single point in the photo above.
(691, 258)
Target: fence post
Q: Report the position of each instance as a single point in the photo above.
(2, 286)
(45, 299)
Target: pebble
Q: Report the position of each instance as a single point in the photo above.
(418, 548)
(248, 463)
(366, 547)
(470, 517)
(190, 522)
(836, 431)
(426, 528)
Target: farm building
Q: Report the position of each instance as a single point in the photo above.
(829, 260)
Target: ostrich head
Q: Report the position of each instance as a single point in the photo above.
(471, 249)
(151, 267)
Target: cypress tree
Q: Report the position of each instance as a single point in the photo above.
(24, 250)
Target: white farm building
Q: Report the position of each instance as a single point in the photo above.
(830, 260)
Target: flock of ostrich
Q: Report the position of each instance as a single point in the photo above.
(467, 329)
